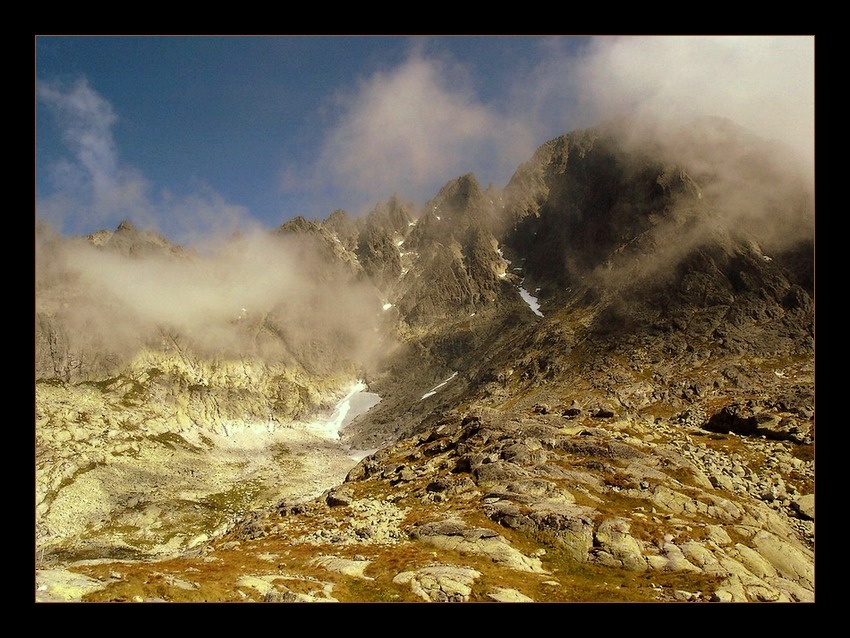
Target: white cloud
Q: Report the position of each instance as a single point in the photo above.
(410, 130)
(420, 124)
(764, 83)
(257, 294)
(93, 189)
(93, 185)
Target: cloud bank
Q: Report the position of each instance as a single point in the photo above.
(258, 295)
(763, 83)
(408, 131)
(736, 112)
(415, 127)
(411, 128)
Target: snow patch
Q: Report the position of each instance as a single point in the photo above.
(387, 306)
(352, 405)
(531, 300)
(433, 390)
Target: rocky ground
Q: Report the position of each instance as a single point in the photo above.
(594, 388)
(119, 481)
(538, 504)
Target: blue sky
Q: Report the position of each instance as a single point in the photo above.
(196, 135)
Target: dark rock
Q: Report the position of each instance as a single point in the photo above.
(339, 496)
(440, 485)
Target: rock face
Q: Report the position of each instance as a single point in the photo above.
(148, 463)
(457, 268)
(647, 433)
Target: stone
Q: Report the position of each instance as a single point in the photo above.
(440, 583)
(790, 562)
(59, 585)
(804, 506)
(613, 537)
(339, 497)
(507, 595)
(345, 566)
(753, 561)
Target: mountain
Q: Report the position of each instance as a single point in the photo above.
(596, 384)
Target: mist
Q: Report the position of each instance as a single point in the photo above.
(736, 113)
(413, 128)
(257, 295)
(762, 83)
(409, 129)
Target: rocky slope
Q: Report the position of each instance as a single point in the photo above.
(597, 385)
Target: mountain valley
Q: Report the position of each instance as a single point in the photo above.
(595, 384)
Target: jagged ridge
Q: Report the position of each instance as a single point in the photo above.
(673, 326)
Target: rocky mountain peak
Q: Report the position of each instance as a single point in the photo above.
(645, 432)
(459, 193)
(460, 202)
(127, 239)
(394, 216)
(299, 224)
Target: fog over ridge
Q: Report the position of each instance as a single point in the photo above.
(258, 295)
(409, 129)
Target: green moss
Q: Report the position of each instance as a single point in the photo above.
(358, 590)
(53, 382)
(173, 440)
(280, 452)
(235, 500)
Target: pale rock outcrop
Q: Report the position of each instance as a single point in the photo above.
(346, 566)
(617, 546)
(805, 506)
(791, 562)
(507, 595)
(59, 585)
(440, 583)
(456, 536)
(675, 559)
